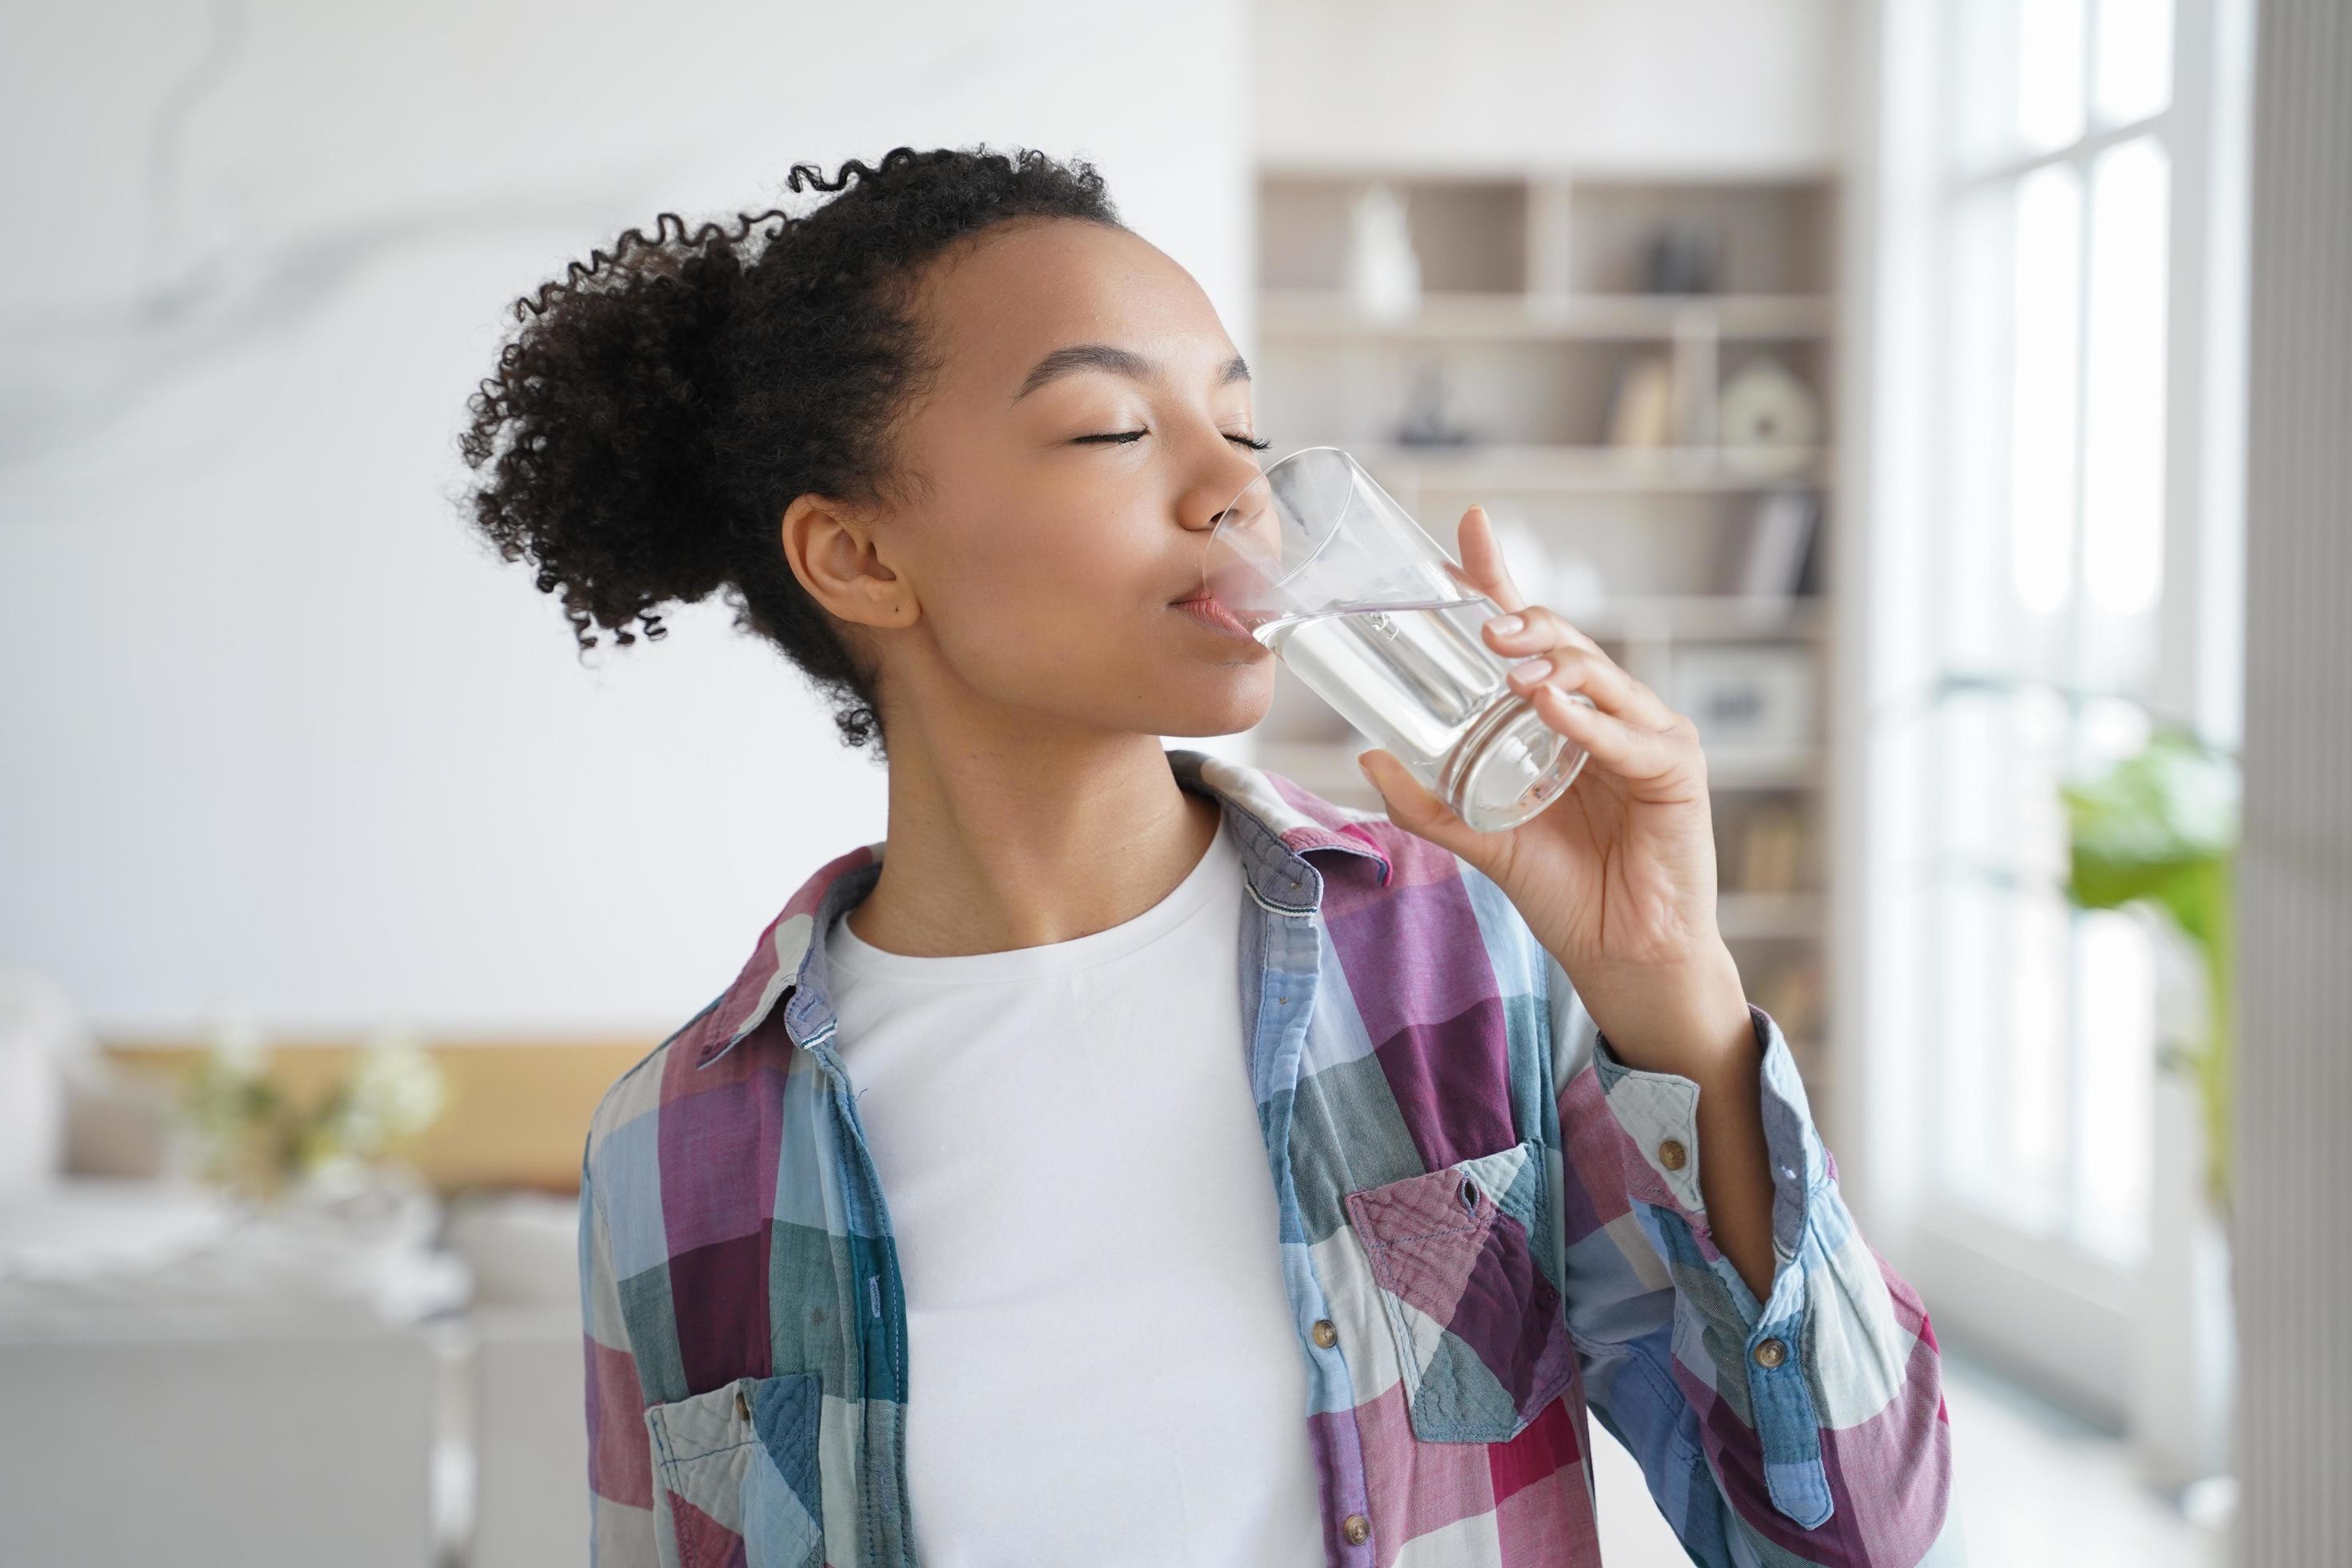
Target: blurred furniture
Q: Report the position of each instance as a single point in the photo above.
(453, 1374)
(528, 1438)
(226, 1443)
(194, 1382)
(523, 1420)
(66, 1106)
(176, 1364)
(432, 1316)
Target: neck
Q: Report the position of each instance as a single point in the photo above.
(1028, 840)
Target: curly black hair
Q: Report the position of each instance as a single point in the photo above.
(654, 417)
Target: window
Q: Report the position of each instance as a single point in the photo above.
(2056, 228)
(2056, 212)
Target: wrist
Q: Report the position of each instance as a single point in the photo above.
(1691, 1019)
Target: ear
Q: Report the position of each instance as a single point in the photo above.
(831, 550)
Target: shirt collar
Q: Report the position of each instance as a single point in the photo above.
(1276, 822)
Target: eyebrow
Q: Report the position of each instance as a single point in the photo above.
(1069, 360)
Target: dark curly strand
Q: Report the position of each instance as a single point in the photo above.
(655, 415)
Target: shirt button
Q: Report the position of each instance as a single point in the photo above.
(1356, 1529)
(1771, 1352)
(1671, 1154)
(1325, 1334)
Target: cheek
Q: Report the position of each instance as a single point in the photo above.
(1047, 586)
(1061, 533)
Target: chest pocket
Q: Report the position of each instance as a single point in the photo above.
(1480, 1331)
(737, 1468)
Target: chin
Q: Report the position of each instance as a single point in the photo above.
(1248, 693)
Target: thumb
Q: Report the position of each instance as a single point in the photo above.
(1419, 810)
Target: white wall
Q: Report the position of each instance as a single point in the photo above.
(277, 735)
(1639, 87)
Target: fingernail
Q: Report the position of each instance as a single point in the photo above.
(1505, 624)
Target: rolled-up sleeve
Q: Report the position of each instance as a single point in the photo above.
(1808, 1428)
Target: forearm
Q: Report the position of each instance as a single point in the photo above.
(1735, 1177)
(1698, 1025)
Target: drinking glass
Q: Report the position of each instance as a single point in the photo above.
(1324, 567)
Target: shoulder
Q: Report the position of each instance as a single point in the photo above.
(621, 1126)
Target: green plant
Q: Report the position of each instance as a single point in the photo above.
(2161, 827)
(253, 1136)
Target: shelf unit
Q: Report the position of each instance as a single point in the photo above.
(1534, 306)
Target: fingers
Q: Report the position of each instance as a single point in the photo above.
(1419, 811)
(1578, 664)
(1543, 630)
(1629, 750)
(1482, 560)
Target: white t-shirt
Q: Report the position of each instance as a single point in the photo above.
(1101, 1367)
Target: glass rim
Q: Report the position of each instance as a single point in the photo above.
(1226, 514)
(1209, 546)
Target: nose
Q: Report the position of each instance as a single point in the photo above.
(1220, 489)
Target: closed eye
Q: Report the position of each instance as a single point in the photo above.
(1123, 436)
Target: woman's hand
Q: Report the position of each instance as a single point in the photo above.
(1617, 878)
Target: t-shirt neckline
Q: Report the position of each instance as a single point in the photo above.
(862, 960)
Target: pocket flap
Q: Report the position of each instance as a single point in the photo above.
(738, 1465)
(1479, 1326)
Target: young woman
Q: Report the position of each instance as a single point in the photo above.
(1148, 1161)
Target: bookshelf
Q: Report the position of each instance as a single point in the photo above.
(1602, 361)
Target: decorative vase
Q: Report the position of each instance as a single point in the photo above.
(1383, 275)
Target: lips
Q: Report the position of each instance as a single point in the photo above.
(1205, 609)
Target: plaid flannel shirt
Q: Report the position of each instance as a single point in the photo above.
(1480, 1239)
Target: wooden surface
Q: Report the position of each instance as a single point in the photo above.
(516, 1115)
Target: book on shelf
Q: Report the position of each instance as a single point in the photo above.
(1809, 571)
(1641, 404)
(1769, 851)
(1782, 544)
(1791, 993)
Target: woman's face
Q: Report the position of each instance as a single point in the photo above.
(1033, 569)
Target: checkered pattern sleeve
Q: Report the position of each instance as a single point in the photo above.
(620, 1460)
(1808, 1428)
